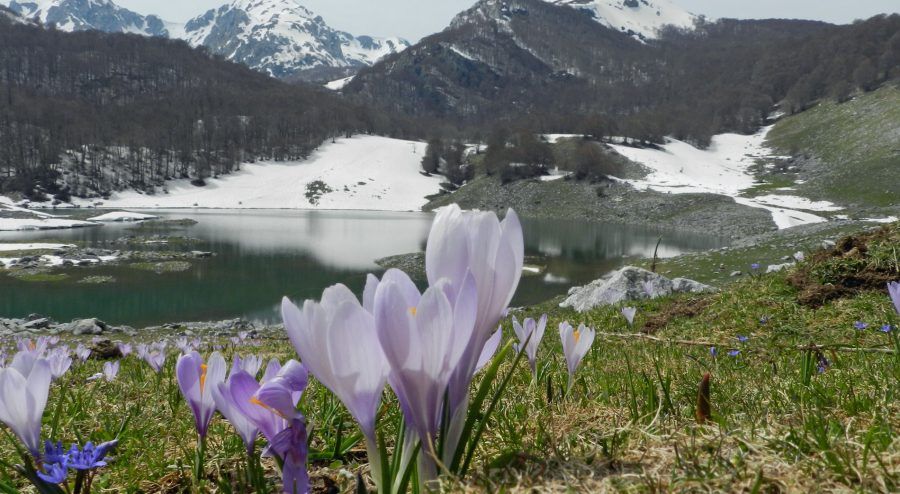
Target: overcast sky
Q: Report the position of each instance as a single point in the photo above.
(413, 19)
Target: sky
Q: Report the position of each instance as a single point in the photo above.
(414, 19)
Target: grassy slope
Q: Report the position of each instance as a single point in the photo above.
(778, 425)
(856, 145)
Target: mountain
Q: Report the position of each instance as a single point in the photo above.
(567, 66)
(278, 37)
(84, 15)
(283, 38)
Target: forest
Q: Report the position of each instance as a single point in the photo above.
(87, 113)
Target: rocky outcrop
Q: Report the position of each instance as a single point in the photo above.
(628, 283)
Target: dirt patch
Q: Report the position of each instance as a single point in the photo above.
(856, 263)
(686, 309)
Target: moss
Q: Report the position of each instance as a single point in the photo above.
(162, 267)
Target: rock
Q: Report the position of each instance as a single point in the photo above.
(199, 254)
(628, 283)
(774, 268)
(87, 327)
(735, 274)
(828, 244)
(105, 350)
(799, 256)
(42, 323)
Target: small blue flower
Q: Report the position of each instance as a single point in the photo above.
(764, 320)
(860, 325)
(886, 328)
(734, 353)
(743, 339)
(755, 266)
(713, 352)
(56, 472)
(90, 456)
(53, 453)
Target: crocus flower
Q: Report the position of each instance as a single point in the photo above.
(533, 330)
(424, 338)
(156, 359)
(82, 352)
(59, 361)
(195, 379)
(886, 328)
(743, 339)
(894, 291)
(226, 405)
(250, 363)
(629, 313)
(860, 325)
(337, 342)
(291, 446)
(755, 266)
(271, 411)
(490, 348)
(125, 349)
(110, 370)
(734, 353)
(493, 252)
(713, 352)
(24, 387)
(575, 343)
(37, 346)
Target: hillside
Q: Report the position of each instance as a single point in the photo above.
(87, 113)
(848, 152)
(554, 68)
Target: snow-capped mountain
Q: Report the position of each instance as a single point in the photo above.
(281, 37)
(83, 15)
(642, 19)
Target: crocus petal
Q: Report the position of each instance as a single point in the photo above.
(490, 348)
(894, 291)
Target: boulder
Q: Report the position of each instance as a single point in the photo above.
(105, 350)
(628, 283)
(775, 268)
(87, 327)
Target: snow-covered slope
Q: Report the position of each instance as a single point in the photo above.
(365, 172)
(83, 15)
(641, 18)
(282, 37)
(14, 218)
(723, 169)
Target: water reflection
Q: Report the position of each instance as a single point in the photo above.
(264, 254)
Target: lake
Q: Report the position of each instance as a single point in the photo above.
(262, 255)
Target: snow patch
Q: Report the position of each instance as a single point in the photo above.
(339, 84)
(722, 169)
(644, 20)
(359, 173)
(122, 216)
(36, 246)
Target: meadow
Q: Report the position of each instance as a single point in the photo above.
(775, 383)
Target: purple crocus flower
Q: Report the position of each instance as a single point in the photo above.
(575, 343)
(713, 352)
(493, 252)
(535, 330)
(424, 337)
(743, 339)
(196, 379)
(860, 325)
(269, 416)
(490, 348)
(156, 359)
(82, 352)
(629, 313)
(250, 363)
(24, 387)
(886, 328)
(125, 349)
(59, 361)
(755, 266)
(290, 445)
(37, 346)
(336, 340)
(226, 405)
(734, 353)
(894, 291)
(110, 370)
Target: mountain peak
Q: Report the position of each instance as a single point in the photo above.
(643, 19)
(282, 38)
(84, 15)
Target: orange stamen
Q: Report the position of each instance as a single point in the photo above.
(202, 376)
